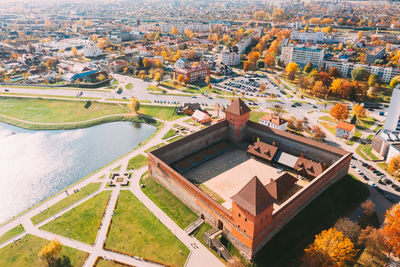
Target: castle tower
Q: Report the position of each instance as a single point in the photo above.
(237, 115)
(252, 210)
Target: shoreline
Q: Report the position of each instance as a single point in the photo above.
(158, 124)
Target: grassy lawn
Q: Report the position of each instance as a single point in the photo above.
(377, 128)
(255, 116)
(356, 137)
(331, 128)
(154, 88)
(66, 202)
(45, 110)
(366, 123)
(117, 168)
(136, 231)
(368, 150)
(359, 151)
(170, 204)
(339, 200)
(11, 233)
(174, 139)
(327, 118)
(106, 263)
(137, 162)
(154, 147)
(169, 134)
(211, 193)
(82, 222)
(25, 253)
(164, 113)
(129, 86)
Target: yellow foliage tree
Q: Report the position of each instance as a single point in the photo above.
(180, 78)
(74, 51)
(359, 111)
(51, 252)
(174, 30)
(391, 230)
(134, 104)
(394, 166)
(330, 248)
(339, 112)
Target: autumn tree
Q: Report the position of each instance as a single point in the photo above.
(208, 79)
(174, 30)
(359, 74)
(180, 78)
(394, 165)
(359, 35)
(95, 38)
(391, 230)
(339, 112)
(291, 70)
(359, 111)
(333, 72)
(330, 248)
(372, 79)
(372, 239)
(368, 207)
(101, 77)
(350, 229)
(269, 60)
(134, 104)
(51, 252)
(395, 81)
(254, 56)
(74, 51)
(318, 133)
(320, 89)
(263, 87)
(186, 80)
(308, 68)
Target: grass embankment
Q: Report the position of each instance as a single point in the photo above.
(174, 139)
(100, 262)
(330, 127)
(339, 200)
(136, 231)
(66, 202)
(364, 124)
(154, 147)
(82, 222)
(137, 162)
(11, 233)
(129, 86)
(170, 133)
(25, 253)
(74, 114)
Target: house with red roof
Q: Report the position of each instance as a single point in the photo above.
(345, 130)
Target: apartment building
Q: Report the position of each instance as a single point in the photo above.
(302, 55)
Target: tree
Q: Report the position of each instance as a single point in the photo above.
(350, 229)
(95, 38)
(368, 207)
(209, 86)
(395, 81)
(186, 80)
(359, 111)
(263, 87)
(74, 51)
(157, 77)
(247, 65)
(180, 78)
(318, 134)
(308, 68)
(134, 104)
(292, 67)
(208, 79)
(146, 62)
(88, 23)
(320, 89)
(340, 47)
(51, 252)
(330, 247)
(324, 78)
(391, 230)
(333, 72)
(254, 56)
(269, 60)
(339, 112)
(101, 77)
(372, 79)
(394, 166)
(359, 74)
(372, 239)
(174, 30)
(359, 35)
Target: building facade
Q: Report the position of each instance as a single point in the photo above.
(91, 49)
(274, 122)
(195, 73)
(307, 37)
(345, 130)
(230, 56)
(302, 55)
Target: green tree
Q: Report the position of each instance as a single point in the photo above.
(359, 74)
(134, 104)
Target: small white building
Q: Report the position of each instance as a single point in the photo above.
(394, 151)
(180, 63)
(230, 56)
(345, 130)
(274, 122)
(91, 49)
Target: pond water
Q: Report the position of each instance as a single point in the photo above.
(37, 164)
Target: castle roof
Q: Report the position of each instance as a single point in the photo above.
(238, 107)
(253, 197)
(262, 150)
(281, 186)
(312, 168)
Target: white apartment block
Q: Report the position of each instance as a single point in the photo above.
(91, 49)
(181, 27)
(229, 57)
(305, 37)
(385, 74)
(302, 55)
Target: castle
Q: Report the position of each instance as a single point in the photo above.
(245, 178)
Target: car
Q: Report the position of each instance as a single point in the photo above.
(379, 190)
(358, 171)
(314, 106)
(373, 184)
(352, 165)
(6, 90)
(279, 170)
(381, 182)
(124, 97)
(387, 181)
(294, 106)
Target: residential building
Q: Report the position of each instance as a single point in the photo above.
(273, 121)
(230, 56)
(201, 117)
(181, 63)
(345, 130)
(91, 49)
(302, 55)
(392, 122)
(394, 151)
(197, 72)
(307, 37)
(377, 53)
(385, 74)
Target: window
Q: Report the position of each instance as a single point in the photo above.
(239, 215)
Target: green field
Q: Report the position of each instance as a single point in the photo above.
(174, 139)
(11, 233)
(129, 86)
(45, 110)
(82, 222)
(170, 204)
(25, 253)
(366, 123)
(66, 202)
(339, 200)
(330, 127)
(164, 113)
(327, 118)
(169, 134)
(136, 231)
(106, 263)
(137, 162)
(255, 116)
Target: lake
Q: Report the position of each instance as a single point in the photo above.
(35, 165)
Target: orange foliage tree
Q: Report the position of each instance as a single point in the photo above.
(339, 112)
(391, 230)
